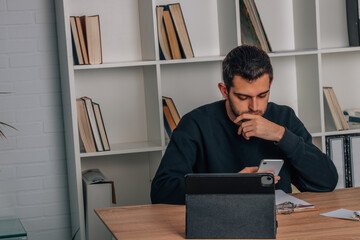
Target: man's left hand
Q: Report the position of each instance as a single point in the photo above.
(252, 125)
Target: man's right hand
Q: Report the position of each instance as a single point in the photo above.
(255, 170)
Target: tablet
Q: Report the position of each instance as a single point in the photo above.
(234, 205)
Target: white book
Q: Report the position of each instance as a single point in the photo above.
(354, 142)
(336, 146)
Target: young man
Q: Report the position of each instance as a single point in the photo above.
(234, 134)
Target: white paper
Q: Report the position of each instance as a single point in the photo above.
(281, 197)
(341, 213)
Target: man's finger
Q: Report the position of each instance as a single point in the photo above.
(245, 116)
(249, 170)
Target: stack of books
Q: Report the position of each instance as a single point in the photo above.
(85, 31)
(93, 137)
(174, 40)
(252, 29)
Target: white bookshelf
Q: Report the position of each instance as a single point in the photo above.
(310, 50)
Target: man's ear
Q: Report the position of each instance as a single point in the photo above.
(223, 90)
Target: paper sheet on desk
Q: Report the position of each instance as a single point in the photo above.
(341, 213)
(281, 197)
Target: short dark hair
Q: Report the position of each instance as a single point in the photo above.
(246, 61)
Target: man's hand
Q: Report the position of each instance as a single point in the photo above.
(252, 125)
(255, 170)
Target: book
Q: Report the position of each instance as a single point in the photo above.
(331, 107)
(352, 17)
(93, 39)
(248, 34)
(101, 126)
(166, 124)
(78, 57)
(95, 176)
(81, 34)
(170, 30)
(172, 108)
(338, 109)
(94, 128)
(99, 193)
(256, 22)
(354, 154)
(336, 151)
(169, 119)
(181, 30)
(86, 137)
(164, 47)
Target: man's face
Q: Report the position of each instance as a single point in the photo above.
(247, 97)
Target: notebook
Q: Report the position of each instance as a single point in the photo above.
(230, 205)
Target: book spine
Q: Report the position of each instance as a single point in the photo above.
(181, 30)
(78, 58)
(167, 126)
(93, 124)
(352, 17)
(170, 30)
(354, 143)
(335, 147)
(101, 127)
(347, 162)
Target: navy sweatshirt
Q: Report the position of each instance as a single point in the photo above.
(206, 141)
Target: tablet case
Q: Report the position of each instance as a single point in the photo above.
(230, 205)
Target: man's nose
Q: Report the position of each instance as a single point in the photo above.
(253, 106)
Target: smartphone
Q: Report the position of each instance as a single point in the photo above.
(271, 165)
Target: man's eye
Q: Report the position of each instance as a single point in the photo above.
(262, 95)
(243, 98)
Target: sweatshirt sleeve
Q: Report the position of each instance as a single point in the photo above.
(314, 170)
(168, 184)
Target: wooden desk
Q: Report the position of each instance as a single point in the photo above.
(160, 221)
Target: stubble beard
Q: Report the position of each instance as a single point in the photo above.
(237, 113)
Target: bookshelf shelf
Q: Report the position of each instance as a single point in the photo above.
(310, 51)
(115, 65)
(293, 53)
(331, 133)
(193, 60)
(339, 50)
(126, 148)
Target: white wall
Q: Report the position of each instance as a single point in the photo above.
(33, 180)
